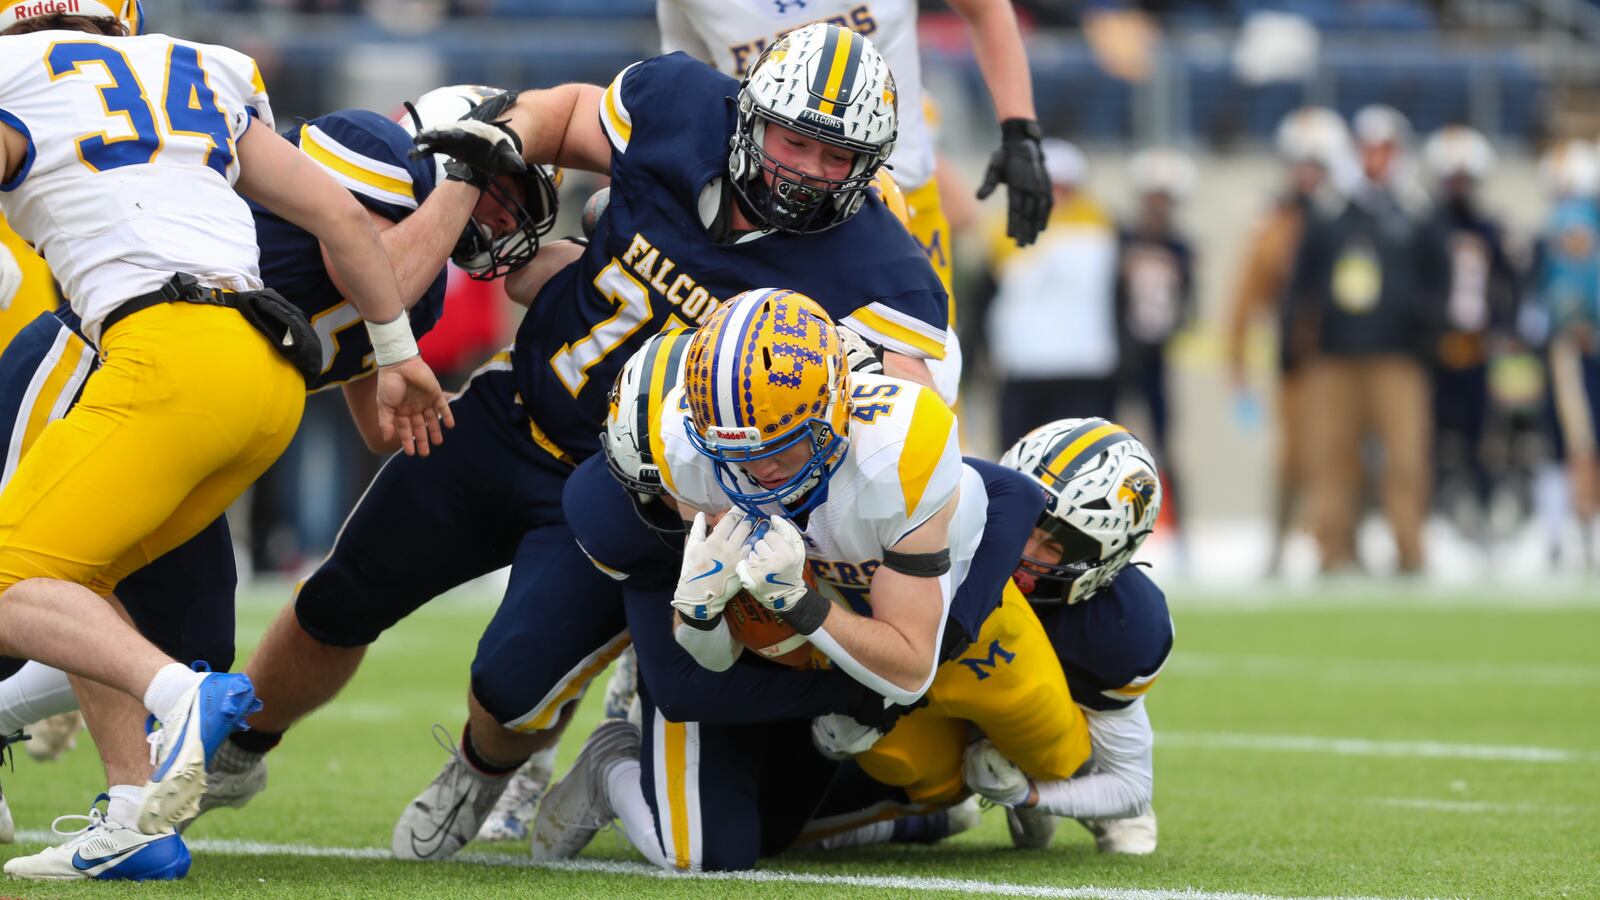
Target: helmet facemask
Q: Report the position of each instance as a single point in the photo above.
(783, 198)
(485, 257)
(800, 492)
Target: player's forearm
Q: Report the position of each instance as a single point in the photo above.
(714, 647)
(525, 283)
(561, 125)
(1002, 58)
(892, 658)
(1123, 780)
(420, 244)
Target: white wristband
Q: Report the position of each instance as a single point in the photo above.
(392, 342)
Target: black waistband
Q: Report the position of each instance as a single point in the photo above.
(182, 288)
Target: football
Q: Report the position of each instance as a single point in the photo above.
(760, 629)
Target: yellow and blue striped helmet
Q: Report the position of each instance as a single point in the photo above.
(128, 12)
(765, 373)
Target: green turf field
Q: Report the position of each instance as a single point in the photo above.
(1397, 746)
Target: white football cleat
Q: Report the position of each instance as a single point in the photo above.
(54, 736)
(1135, 835)
(107, 850)
(182, 750)
(1031, 829)
(576, 807)
(511, 815)
(447, 815)
(965, 816)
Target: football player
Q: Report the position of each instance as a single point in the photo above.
(733, 36)
(1107, 621)
(184, 600)
(897, 529)
(728, 776)
(202, 376)
(688, 223)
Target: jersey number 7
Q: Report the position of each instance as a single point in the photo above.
(189, 103)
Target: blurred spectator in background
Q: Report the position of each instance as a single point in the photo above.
(1052, 330)
(1567, 279)
(1371, 279)
(1155, 295)
(1315, 144)
(1479, 319)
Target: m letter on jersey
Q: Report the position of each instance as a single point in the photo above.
(997, 655)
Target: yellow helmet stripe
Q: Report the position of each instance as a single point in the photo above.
(1063, 462)
(836, 69)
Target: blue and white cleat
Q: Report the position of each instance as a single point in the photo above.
(104, 849)
(183, 749)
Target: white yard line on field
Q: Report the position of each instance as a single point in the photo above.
(1293, 743)
(1429, 804)
(762, 876)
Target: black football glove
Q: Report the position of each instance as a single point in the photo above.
(480, 145)
(1019, 164)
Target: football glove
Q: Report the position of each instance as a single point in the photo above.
(774, 570)
(838, 736)
(992, 775)
(708, 579)
(1019, 164)
(859, 355)
(10, 278)
(478, 151)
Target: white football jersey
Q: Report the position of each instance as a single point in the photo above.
(131, 161)
(730, 34)
(903, 465)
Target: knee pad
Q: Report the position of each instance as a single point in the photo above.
(336, 608)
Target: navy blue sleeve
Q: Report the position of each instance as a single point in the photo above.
(751, 691)
(371, 157)
(1113, 645)
(668, 120)
(610, 529)
(1015, 501)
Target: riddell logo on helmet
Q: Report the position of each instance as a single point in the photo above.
(44, 8)
(733, 435)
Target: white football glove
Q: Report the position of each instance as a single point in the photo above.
(838, 736)
(10, 277)
(774, 571)
(995, 777)
(708, 579)
(859, 355)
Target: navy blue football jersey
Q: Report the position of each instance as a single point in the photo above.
(607, 526)
(371, 157)
(1113, 645)
(652, 264)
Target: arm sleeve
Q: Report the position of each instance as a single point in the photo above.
(1122, 780)
(363, 162)
(903, 324)
(686, 691)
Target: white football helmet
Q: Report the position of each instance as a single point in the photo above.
(1102, 498)
(128, 12)
(827, 83)
(636, 402)
(479, 253)
(1162, 170)
(1314, 134)
(1458, 150)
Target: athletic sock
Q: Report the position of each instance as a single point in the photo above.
(627, 801)
(167, 689)
(924, 829)
(257, 740)
(36, 692)
(124, 806)
(481, 764)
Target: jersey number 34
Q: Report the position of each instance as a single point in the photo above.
(189, 103)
